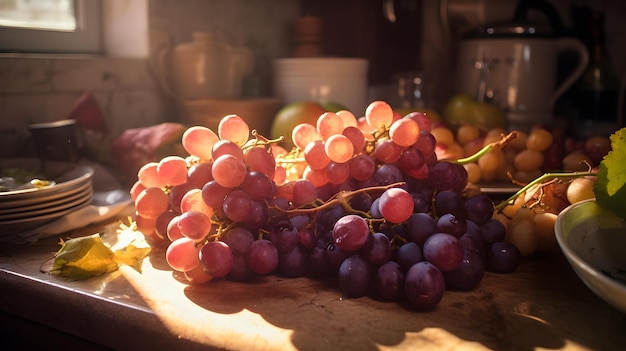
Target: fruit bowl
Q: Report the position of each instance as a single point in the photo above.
(594, 242)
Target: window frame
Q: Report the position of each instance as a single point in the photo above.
(86, 39)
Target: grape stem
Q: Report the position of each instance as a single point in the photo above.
(342, 198)
(295, 156)
(482, 152)
(223, 227)
(370, 144)
(260, 140)
(544, 178)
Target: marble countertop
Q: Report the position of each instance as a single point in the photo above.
(541, 306)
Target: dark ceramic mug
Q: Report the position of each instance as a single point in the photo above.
(59, 140)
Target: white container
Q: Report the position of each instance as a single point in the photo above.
(205, 68)
(323, 79)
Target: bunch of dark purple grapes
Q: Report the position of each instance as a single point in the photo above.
(378, 212)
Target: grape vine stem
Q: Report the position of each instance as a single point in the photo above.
(485, 150)
(342, 198)
(544, 178)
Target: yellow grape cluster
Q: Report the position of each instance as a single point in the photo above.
(530, 219)
(525, 157)
(521, 159)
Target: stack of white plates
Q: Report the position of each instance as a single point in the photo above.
(26, 209)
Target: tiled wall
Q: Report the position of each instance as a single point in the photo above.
(45, 88)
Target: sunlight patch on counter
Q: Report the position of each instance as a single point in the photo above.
(188, 320)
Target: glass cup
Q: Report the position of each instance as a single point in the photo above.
(410, 91)
(58, 141)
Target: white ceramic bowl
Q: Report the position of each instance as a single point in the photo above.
(594, 242)
(323, 79)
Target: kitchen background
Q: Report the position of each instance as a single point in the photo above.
(128, 89)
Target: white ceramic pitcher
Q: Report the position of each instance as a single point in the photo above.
(515, 67)
(205, 68)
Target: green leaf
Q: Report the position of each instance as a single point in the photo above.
(84, 257)
(131, 248)
(610, 185)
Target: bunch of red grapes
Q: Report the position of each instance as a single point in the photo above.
(362, 200)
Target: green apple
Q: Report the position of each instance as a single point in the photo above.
(332, 106)
(431, 113)
(292, 114)
(463, 109)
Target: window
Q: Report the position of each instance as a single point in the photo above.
(50, 26)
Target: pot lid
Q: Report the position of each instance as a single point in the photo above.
(520, 26)
(511, 30)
